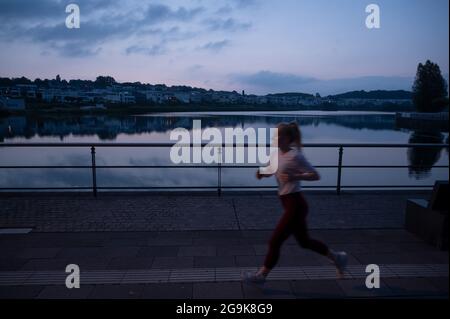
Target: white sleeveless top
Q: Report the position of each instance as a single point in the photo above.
(290, 163)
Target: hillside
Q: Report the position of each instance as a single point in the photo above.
(379, 95)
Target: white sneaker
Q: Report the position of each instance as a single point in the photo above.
(253, 278)
(340, 262)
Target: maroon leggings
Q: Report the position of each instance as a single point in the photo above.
(293, 222)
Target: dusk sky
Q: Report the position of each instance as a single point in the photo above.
(261, 46)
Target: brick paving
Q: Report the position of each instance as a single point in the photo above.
(191, 211)
(195, 246)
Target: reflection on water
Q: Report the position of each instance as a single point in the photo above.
(320, 127)
(106, 128)
(422, 159)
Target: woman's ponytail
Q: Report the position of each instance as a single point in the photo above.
(295, 134)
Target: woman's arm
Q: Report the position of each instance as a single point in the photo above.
(303, 171)
(308, 176)
(301, 176)
(260, 175)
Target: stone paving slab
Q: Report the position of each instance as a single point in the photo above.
(222, 290)
(320, 288)
(272, 290)
(277, 289)
(217, 275)
(61, 292)
(125, 212)
(35, 251)
(195, 246)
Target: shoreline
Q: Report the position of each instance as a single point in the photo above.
(144, 110)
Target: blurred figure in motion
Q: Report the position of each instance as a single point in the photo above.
(290, 167)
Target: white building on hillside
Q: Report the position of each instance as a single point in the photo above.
(356, 101)
(158, 96)
(183, 97)
(120, 97)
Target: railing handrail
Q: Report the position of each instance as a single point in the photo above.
(203, 144)
(220, 165)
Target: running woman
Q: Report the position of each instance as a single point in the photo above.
(292, 168)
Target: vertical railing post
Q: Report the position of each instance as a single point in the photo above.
(94, 173)
(339, 175)
(219, 172)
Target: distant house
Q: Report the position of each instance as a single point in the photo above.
(375, 98)
(31, 94)
(226, 97)
(158, 96)
(50, 95)
(120, 97)
(89, 96)
(11, 104)
(127, 98)
(261, 100)
(14, 92)
(112, 98)
(376, 102)
(27, 90)
(196, 97)
(250, 99)
(310, 101)
(183, 97)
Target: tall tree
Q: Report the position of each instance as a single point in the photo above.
(104, 81)
(430, 88)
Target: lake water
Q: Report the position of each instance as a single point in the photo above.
(317, 127)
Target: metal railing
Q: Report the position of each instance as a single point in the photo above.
(219, 187)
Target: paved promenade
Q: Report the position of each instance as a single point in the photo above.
(195, 246)
(196, 211)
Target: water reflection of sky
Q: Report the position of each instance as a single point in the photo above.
(360, 128)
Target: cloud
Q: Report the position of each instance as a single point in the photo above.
(94, 32)
(151, 51)
(171, 34)
(215, 46)
(224, 10)
(103, 21)
(195, 68)
(245, 3)
(24, 9)
(156, 13)
(31, 10)
(272, 80)
(75, 50)
(84, 41)
(229, 24)
(232, 5)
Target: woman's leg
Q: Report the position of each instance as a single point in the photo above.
(301, 234)
(302, 237)
(282, 232)
(301, 229)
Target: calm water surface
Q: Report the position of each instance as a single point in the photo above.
(317, 127)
